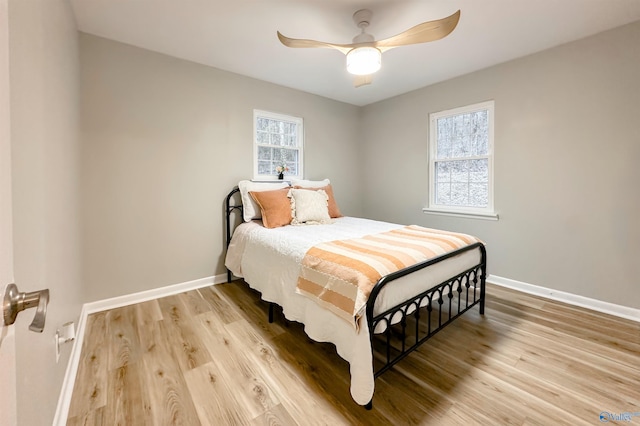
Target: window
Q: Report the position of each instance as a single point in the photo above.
(461, 160)
(277, 142)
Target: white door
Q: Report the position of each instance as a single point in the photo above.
(7, 338)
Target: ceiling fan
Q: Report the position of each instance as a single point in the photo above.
(364, 55)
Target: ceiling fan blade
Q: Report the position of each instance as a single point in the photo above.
(362, 80)
(295, 42)
(421, 33)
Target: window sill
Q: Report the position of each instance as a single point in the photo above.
(265, 180)
(288, 178)
(483, 216)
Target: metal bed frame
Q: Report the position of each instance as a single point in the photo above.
(412, 322)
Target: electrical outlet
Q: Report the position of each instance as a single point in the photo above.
(64, 335)
(57, 338)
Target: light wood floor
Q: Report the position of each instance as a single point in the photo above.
(210, 357)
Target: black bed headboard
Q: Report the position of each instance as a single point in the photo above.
(229, 208)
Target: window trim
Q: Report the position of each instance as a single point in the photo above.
(461, 211)
(300, 137)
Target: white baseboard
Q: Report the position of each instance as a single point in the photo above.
(143, 296)
(62, 411)
(569, 298)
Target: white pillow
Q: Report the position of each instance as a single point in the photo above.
(310, 183)
(251, 210)
(308, 206)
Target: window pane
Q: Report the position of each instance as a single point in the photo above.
(276, 139)
(480, 132)
(290, 128)
(290, 155)
(463, 135)
(443, 194)
(262, 124)
(263, 138)
(462, 183)
(482, 145)
(444, 138)
(270, 158)
(459, 194)
(459, 171)
(279, 156)
(443, 171)
(264, 153)
(478, 195)
(461, 146)
(264, 167)
(479, 170)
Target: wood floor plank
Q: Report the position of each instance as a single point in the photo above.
(211, 357)
(275, 416)
(195, 303)
(248, 305)
(91, 418)
(219, 304)
(91, 379)
(246, 382)
(214, 402)
(459, 414)
(169, 399)
(147, 313)
(127, 403)
(123, 343)
(184, 340)
(420, 403)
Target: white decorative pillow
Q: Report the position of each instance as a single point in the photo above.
(309, 207)
(251, 210)
(310, 183)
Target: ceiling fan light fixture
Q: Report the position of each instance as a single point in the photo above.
(364, 60)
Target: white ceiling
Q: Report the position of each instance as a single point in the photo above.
(240, 36)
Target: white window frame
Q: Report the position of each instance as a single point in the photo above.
(300, 143)
(487, 212)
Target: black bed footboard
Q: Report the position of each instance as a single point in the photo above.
(410, 323)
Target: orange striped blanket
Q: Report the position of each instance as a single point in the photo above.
(339, 275)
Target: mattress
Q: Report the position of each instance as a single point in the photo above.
(269, 260)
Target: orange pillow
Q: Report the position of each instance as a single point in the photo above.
(275, 207)
(334, 211)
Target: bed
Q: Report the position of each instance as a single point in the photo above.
(403, 310)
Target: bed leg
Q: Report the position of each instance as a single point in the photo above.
(228, 276)
(270, 312)
(369, 405)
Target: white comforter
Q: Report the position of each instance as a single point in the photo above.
(269, 261)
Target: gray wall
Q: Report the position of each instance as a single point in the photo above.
(567, 144)
(44, 83)
(163, 141)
